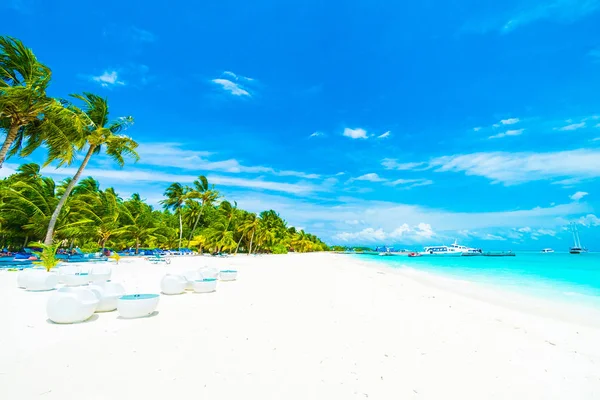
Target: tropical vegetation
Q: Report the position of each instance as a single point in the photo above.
(77, 211)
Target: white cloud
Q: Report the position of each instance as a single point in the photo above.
(357, 133)
(237, 77)
(513, 132)
(516, 168)
(578, 196)
(390, 163)
(411, 183)
(564, 11)
(143, 35)
(371, 177)
(108, 78)
(140, 175)
(353, 222)
(572, 127)
(173, 155)
(384, 135)
(316, 134)
(419, 233)
(509, 121)
(589, 220)
(231, 87)
(477, 129)
(489, 236)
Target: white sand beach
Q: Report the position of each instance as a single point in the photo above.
(310, 326)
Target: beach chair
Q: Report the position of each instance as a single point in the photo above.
(173, 284)
(70, 305)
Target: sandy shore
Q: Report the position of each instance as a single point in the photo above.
(315, 326)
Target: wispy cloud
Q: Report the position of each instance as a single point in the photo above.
(517, 168)
(316, 134)
(235, 84)
(231, 87)
(141, 175)
(237, 77)
(509, 121)
(410, 183)
(175, 155)
(142, 35)
(384, 135)
(512, 132)
(477, 129)
(108, 79)
(578, 196)
(371, 177)
(357, 133)
(572, 127)
(563, 11)
(391, 163)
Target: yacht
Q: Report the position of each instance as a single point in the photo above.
(445, 251)
(547, 251)
(577, 248)
(464, 249)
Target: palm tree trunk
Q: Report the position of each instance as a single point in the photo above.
(180, 229)
(251, 238)
(137, 246)
(26, 240)
(63, 199)
(10, 138)
(238, 243)
(195, 224)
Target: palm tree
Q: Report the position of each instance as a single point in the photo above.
(102, 209)
(23, 83)
(99, 132)
(249, 226)
(176, 195)
(207, 195)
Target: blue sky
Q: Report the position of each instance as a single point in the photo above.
(364, 122)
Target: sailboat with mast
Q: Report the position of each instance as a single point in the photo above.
(577, 248)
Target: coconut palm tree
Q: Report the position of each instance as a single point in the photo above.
(249, 226)
(23, 83)
(176, 196)
(99, 133)
(207, 196)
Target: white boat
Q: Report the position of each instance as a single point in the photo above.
(577, 248)
(464, 249)
(547, 251)
(443, 251)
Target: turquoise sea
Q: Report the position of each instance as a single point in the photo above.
(560, 276)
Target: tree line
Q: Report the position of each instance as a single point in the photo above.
(77, 211)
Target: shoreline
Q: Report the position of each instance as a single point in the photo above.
(296, 326)
(574, 311)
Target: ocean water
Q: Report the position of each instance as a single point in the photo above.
(560, 276)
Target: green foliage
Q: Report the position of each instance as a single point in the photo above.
(47, 256)
(279, 249)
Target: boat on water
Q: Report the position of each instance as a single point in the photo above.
(441, 251)
(547, 251)
(464, 249)
(577, 248)
(454, 250)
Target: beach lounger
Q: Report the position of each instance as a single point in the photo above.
(71, 305)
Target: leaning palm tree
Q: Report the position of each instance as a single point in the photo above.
(207, 196)
(176, 195)
(23, 83)
(98, 133)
